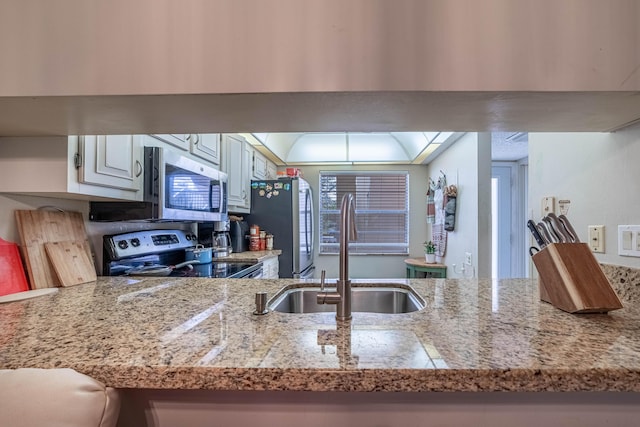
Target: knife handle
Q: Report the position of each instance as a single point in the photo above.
(560, 228)
(555, 233)
(567, 225)
(544, 231)
(536, 234)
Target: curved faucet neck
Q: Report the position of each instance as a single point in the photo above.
(347, 232)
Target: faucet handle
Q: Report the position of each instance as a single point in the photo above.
(323, 274)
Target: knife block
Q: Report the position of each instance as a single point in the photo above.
(571, 279)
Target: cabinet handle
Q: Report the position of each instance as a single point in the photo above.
(197, 139)
(139, 167)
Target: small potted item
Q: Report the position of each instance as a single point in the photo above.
(430, 252)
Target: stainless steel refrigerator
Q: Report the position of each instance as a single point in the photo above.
(284, 208)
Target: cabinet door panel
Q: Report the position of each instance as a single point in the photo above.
(272, 171)
(259, 166)
(111, 161)
(234, 153)
(206, 146)
(236, 162)
(177, 140)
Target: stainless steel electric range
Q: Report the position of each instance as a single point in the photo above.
(161, 253)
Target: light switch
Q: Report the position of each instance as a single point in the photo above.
(629, 240)
(627, 236)
(596, 238)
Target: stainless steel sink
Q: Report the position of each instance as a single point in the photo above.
(370, 299)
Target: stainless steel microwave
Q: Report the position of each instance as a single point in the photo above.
(176, 188)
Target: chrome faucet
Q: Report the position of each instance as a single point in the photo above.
(342, 296)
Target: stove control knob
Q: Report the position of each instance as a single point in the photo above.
(122, 244)
(135, 242)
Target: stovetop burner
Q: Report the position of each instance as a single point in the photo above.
(124, 253)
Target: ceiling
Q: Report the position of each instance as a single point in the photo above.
(509, 146)
(297, 148)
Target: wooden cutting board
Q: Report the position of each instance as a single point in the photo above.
(37, 227)
(71, 262)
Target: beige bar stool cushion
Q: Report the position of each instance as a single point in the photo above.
(55, 398)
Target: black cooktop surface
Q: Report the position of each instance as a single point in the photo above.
(213, 270)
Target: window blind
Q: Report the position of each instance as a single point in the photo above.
(382, 211)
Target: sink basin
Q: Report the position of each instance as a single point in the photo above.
(369, 299)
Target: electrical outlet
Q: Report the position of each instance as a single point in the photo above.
(596, 238)
(467, 258)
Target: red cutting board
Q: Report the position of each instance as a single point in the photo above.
(12, 277)
(36, 228)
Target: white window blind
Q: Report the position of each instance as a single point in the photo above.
(382, 211)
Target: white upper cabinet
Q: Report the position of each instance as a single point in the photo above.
(259, 165)
(236, 162)
(272, 170)
(177, 140)
(111, 161)
(206, 146)
(91, 167)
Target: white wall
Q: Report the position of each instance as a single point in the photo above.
(9, 203)
(382, 266)
(598, 172)
(467, 164)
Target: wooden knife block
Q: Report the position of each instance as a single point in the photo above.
(571, 279)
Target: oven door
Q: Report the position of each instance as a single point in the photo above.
(188, 189)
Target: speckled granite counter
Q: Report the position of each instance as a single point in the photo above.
(201, 334)
(250, 256)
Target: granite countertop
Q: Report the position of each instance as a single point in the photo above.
(250, 256)
(194, 333)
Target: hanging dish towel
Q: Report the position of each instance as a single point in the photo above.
(431, 207)
(450, 201)
(439, 238)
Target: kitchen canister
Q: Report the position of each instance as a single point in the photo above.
(269, 242)
(254, 243)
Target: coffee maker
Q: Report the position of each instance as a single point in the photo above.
(220, 239)
(215, 235)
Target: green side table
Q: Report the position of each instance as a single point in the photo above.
(419, 264)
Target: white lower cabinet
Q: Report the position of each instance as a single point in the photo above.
(271, 268)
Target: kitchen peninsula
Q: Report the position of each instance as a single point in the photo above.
(200, 334)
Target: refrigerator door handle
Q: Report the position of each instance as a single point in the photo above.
(308, 206)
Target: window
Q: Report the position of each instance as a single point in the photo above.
(382, 211)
